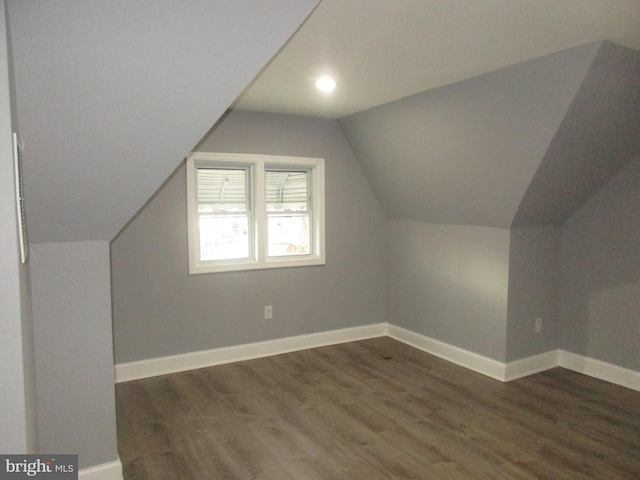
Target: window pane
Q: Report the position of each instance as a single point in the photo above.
(288, 223)
(289, 234)
(224, 237)
(222, 190)
(287, 191)
(223, 213)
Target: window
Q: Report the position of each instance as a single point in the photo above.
(254, 211)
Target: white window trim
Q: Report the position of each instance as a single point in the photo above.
(259, 259)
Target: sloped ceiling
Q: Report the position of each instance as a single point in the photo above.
(598, 136)
(111, 95)
(466, 153)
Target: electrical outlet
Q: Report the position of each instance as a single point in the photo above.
(268, 312)
(537, 328)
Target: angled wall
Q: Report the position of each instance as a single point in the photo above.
(555, 243)
(130, 88)
(485, 136)
(464, 154)
(450, 167)
(599, 134)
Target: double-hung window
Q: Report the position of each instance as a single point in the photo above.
(254, 211)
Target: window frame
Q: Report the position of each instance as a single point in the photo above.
(257, 166)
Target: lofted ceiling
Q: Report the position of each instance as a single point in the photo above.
(384, 50)
(111, 96)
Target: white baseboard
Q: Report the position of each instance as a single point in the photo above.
(473, 361)
(599, 369)
(504, 372)
(207, 358)
(577, 363)
(530, 365)
(507, 372)
(105, 471)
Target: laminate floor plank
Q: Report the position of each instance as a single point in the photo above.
(374, 409)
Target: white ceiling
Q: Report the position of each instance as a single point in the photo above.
(383, 50)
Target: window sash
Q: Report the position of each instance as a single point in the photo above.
(225, 218)
(289, 233)
(223, 189)
(288, 210)
(224, 237)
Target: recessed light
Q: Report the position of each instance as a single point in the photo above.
(326, 84)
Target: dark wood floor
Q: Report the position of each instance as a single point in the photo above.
(375, 409)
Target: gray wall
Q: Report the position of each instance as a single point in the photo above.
(600, 289)
(74, 360)
(534, 280)
(18, 430)
(160, 310)
(450, 282)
